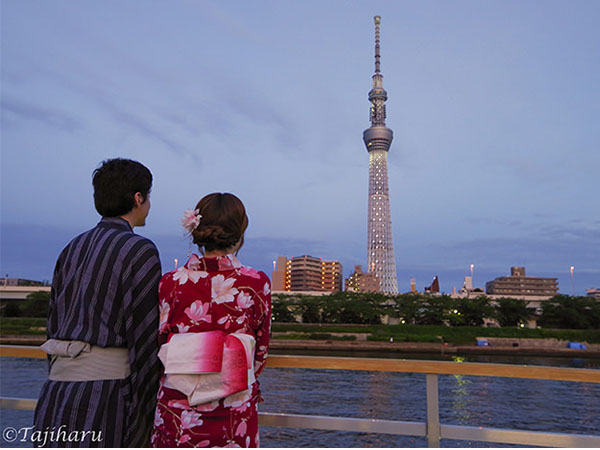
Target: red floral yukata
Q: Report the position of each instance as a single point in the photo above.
(208, 294)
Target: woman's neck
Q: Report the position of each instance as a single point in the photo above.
(215, 253)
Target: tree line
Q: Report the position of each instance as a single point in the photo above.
(561, 311)
(34, 305)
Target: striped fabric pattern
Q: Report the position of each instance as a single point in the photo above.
(105, 292)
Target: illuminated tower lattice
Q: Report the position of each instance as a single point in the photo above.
(378, 139)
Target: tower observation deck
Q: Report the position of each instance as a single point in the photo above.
(378, 139)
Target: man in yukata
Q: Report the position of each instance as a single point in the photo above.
(103, 323)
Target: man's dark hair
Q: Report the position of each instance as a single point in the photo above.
(116, 182)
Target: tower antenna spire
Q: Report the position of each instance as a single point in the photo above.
(377, 55)
(378, 139)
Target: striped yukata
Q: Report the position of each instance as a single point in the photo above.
(105, 292)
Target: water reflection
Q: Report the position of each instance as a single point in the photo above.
(537, 405)
(460, 394)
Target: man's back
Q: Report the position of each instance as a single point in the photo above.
(91, 286)
(105, 293)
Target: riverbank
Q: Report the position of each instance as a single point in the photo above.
(283, 345)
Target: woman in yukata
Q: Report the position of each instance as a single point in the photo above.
(215, 318)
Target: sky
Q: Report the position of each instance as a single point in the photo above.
(495, 109)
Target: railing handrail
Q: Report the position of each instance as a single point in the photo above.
(392, 365)
(435, 367)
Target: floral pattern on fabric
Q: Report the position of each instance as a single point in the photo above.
(209, 294)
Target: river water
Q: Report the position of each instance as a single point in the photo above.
(537, 405)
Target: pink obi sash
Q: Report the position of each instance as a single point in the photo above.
(208, 366)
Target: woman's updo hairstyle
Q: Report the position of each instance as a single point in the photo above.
(223, 222)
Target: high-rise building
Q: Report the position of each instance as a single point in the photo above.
(331, 276)
(278, 278)
(307, 273)
(378, 139)
(362, 282)
(518, 284)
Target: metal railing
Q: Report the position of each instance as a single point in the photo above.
(432, 429)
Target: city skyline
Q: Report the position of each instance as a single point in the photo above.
(493, 108)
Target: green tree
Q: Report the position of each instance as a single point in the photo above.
(406, 306)
(510, 312)
(283, 308)
(331, 307)
(36, 304)
(562, 311)
(11, 309)
(470, 311)
(364, 308)
(349, 307)
(310, 309)
(434, 311)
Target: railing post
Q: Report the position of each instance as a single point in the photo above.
(433, 411)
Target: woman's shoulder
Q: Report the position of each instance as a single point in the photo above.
(253, 273)
(258, 280)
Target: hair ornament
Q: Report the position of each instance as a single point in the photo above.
(191, 219)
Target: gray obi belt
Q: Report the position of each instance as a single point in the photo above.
(81, 361)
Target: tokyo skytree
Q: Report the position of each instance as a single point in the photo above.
(378, 139)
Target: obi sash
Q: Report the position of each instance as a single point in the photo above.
(208, 366)
(81, 361)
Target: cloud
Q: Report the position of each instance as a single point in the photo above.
(544, 251)
(149, 130)
(230, 22)
(98, 94)
(258, 111)
(50, 117)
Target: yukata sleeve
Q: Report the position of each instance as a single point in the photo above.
(140, 300)
(166, 308)
(56, 287)
(263, 332)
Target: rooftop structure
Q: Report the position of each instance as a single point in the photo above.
(361, 282)
(519, 284)
(20, 282)
(593, 293)
(434, 288)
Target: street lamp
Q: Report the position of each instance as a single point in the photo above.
(572, 282)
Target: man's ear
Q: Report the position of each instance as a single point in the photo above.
(139, 199)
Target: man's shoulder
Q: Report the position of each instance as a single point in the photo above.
(142, 240)
(126, 238)
(141, 244)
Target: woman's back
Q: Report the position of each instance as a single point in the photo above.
(209, 294)
(218, 293)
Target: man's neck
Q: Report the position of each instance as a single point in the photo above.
(129, 220)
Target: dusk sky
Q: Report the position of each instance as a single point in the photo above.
(495, 108)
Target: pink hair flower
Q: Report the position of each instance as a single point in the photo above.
(191, 219)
